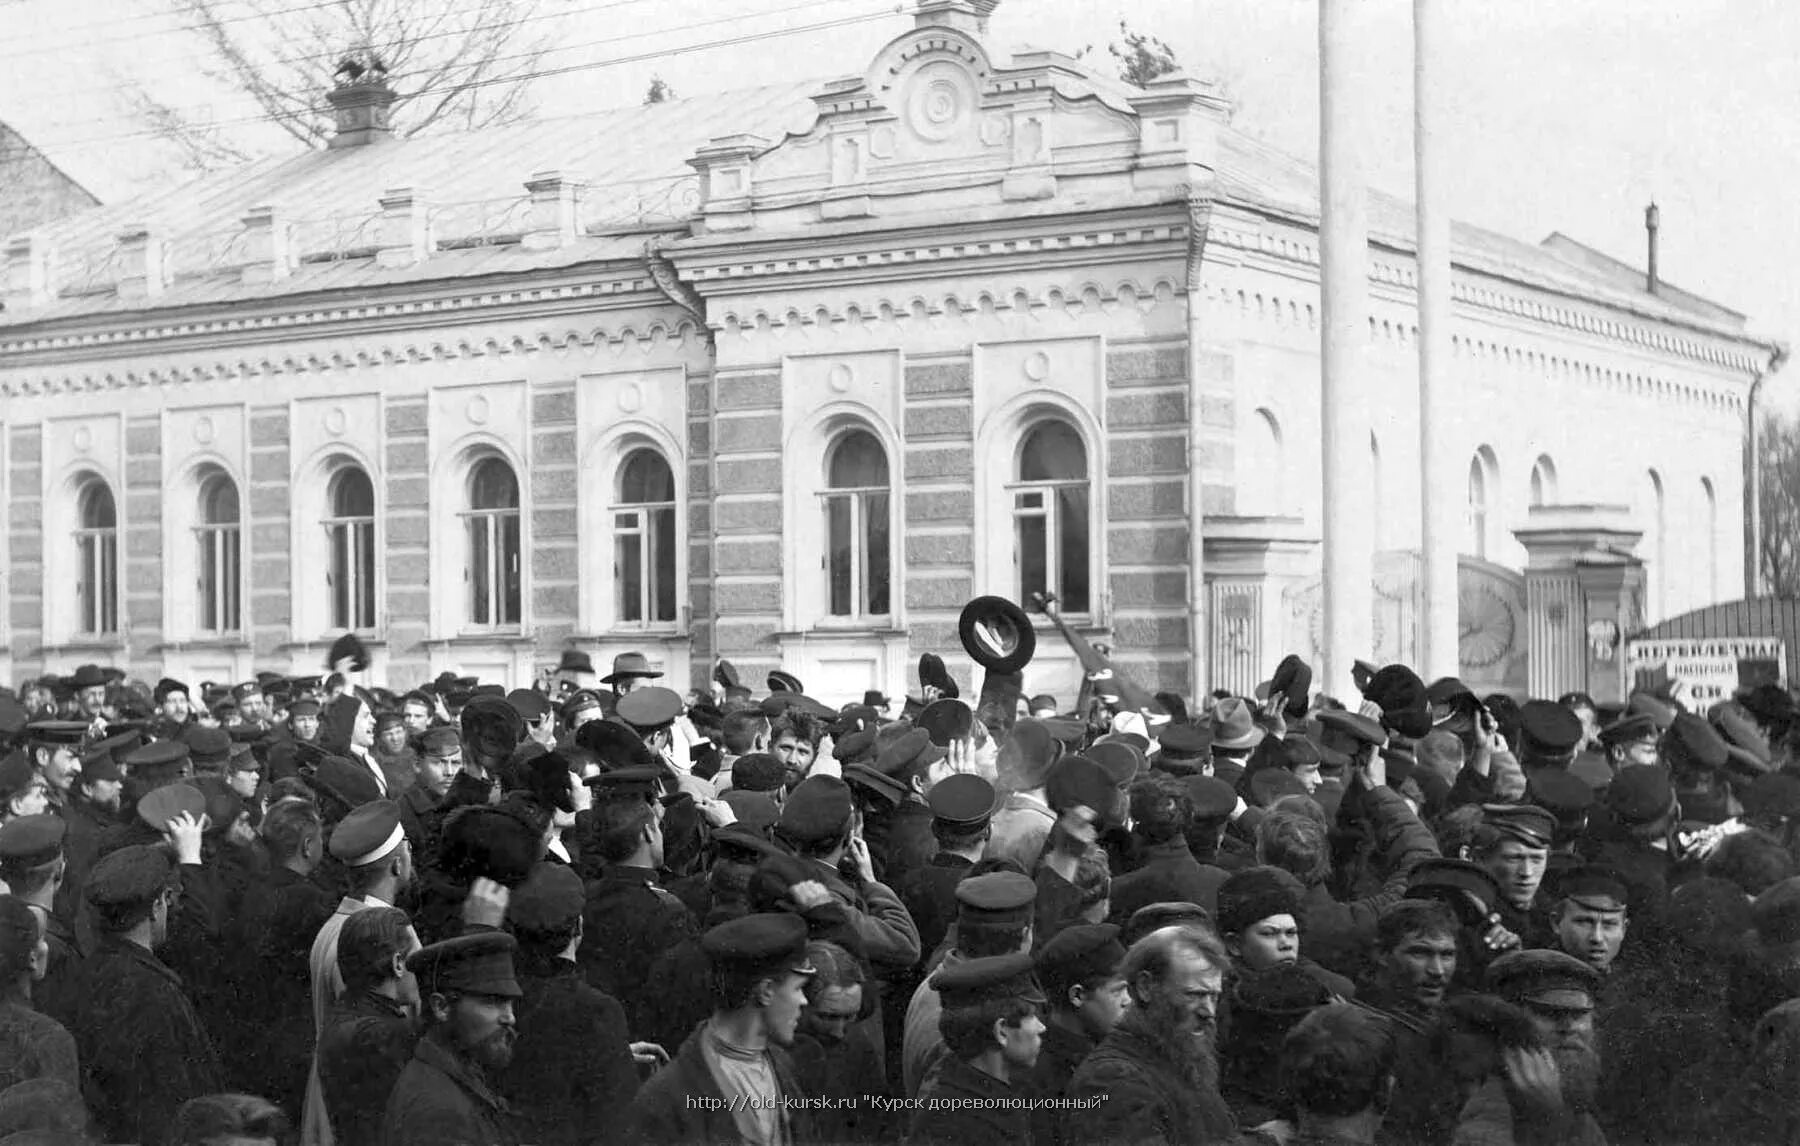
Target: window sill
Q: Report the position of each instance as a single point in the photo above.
(671, 633)
(467, 640)
(78, 646)
(371, 638)
(229, 643)
(844, 633)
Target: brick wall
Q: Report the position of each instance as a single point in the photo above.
(936, 553)
(406, 530)
(553, 561)
(271, 506)
(25, 541)
(702, 525)
(742, 479)
(141, 548)
(1147, 515)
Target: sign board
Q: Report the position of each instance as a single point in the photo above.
(1712, 667)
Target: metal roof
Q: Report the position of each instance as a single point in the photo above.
(633, 162)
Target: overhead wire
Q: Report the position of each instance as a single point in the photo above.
(80, 143)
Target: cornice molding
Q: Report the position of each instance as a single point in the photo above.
(1392, 266)
(622, 341)
(108, 332)
(1088, 298)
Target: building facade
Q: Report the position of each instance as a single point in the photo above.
(786, 376)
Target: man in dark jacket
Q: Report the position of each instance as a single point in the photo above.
(443, 1097)
(992, 1028)
(573, 1075)
(141, 1044)
(270, 1045)
(1162, 814)
(631, 919)
(1079, 971)
(1155, 1077)
(369, 1035)
(730, 1079)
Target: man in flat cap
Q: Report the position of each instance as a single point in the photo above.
(728, 1080)
(1155, 1075)
(572, 1072)
(994, 917)
(1630, 742)
(54, 746)
(33, 867)
(631, 918)
(467, 990)
(440, 760)
(1633, 833)
(141, 1043)
(369, 1034)
(992, 1026)
(819, 822)
(962, 809)
(1513, 844)
(1079, 972)
(371, 845)
(1553, 1087)
(1589, 915)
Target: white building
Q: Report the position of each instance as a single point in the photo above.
(787, 375)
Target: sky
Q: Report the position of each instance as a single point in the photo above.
(1562, 116)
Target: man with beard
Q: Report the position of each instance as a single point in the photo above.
(794, 740)
(1542, 1100)
(1414, 967)
(1513, 844)
(466, 993)
(142, 1047)
(369, 1036)
(1590, 916)
(992, 1026)
(92, 813)
(1155, 1077)
(732, 1078)
(1079, 971)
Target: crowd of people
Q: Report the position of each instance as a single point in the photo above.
(599, 910)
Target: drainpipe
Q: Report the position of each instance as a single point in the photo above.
(1200, 205)
(1753, 523)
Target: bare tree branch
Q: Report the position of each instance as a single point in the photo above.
(452, 62)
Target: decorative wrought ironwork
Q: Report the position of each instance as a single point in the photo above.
(630, 206)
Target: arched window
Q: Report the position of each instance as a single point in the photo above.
(1050, 515)
(491, 525)
(97, 544)
(644, 539)
(1480, 512)
(1709, 507)
(350, 532)
(1543, 481)
(857, 548)
(218, 540)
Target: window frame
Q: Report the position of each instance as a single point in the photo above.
(219, 558)
(93, 609)
(861, 517)
(1049, 510)
(354, 537)
(491, 520)
(649, 529)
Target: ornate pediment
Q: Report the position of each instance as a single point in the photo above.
(935, 123)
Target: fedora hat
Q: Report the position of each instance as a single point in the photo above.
(627, 665)
(1233, 726)
(574, 660)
